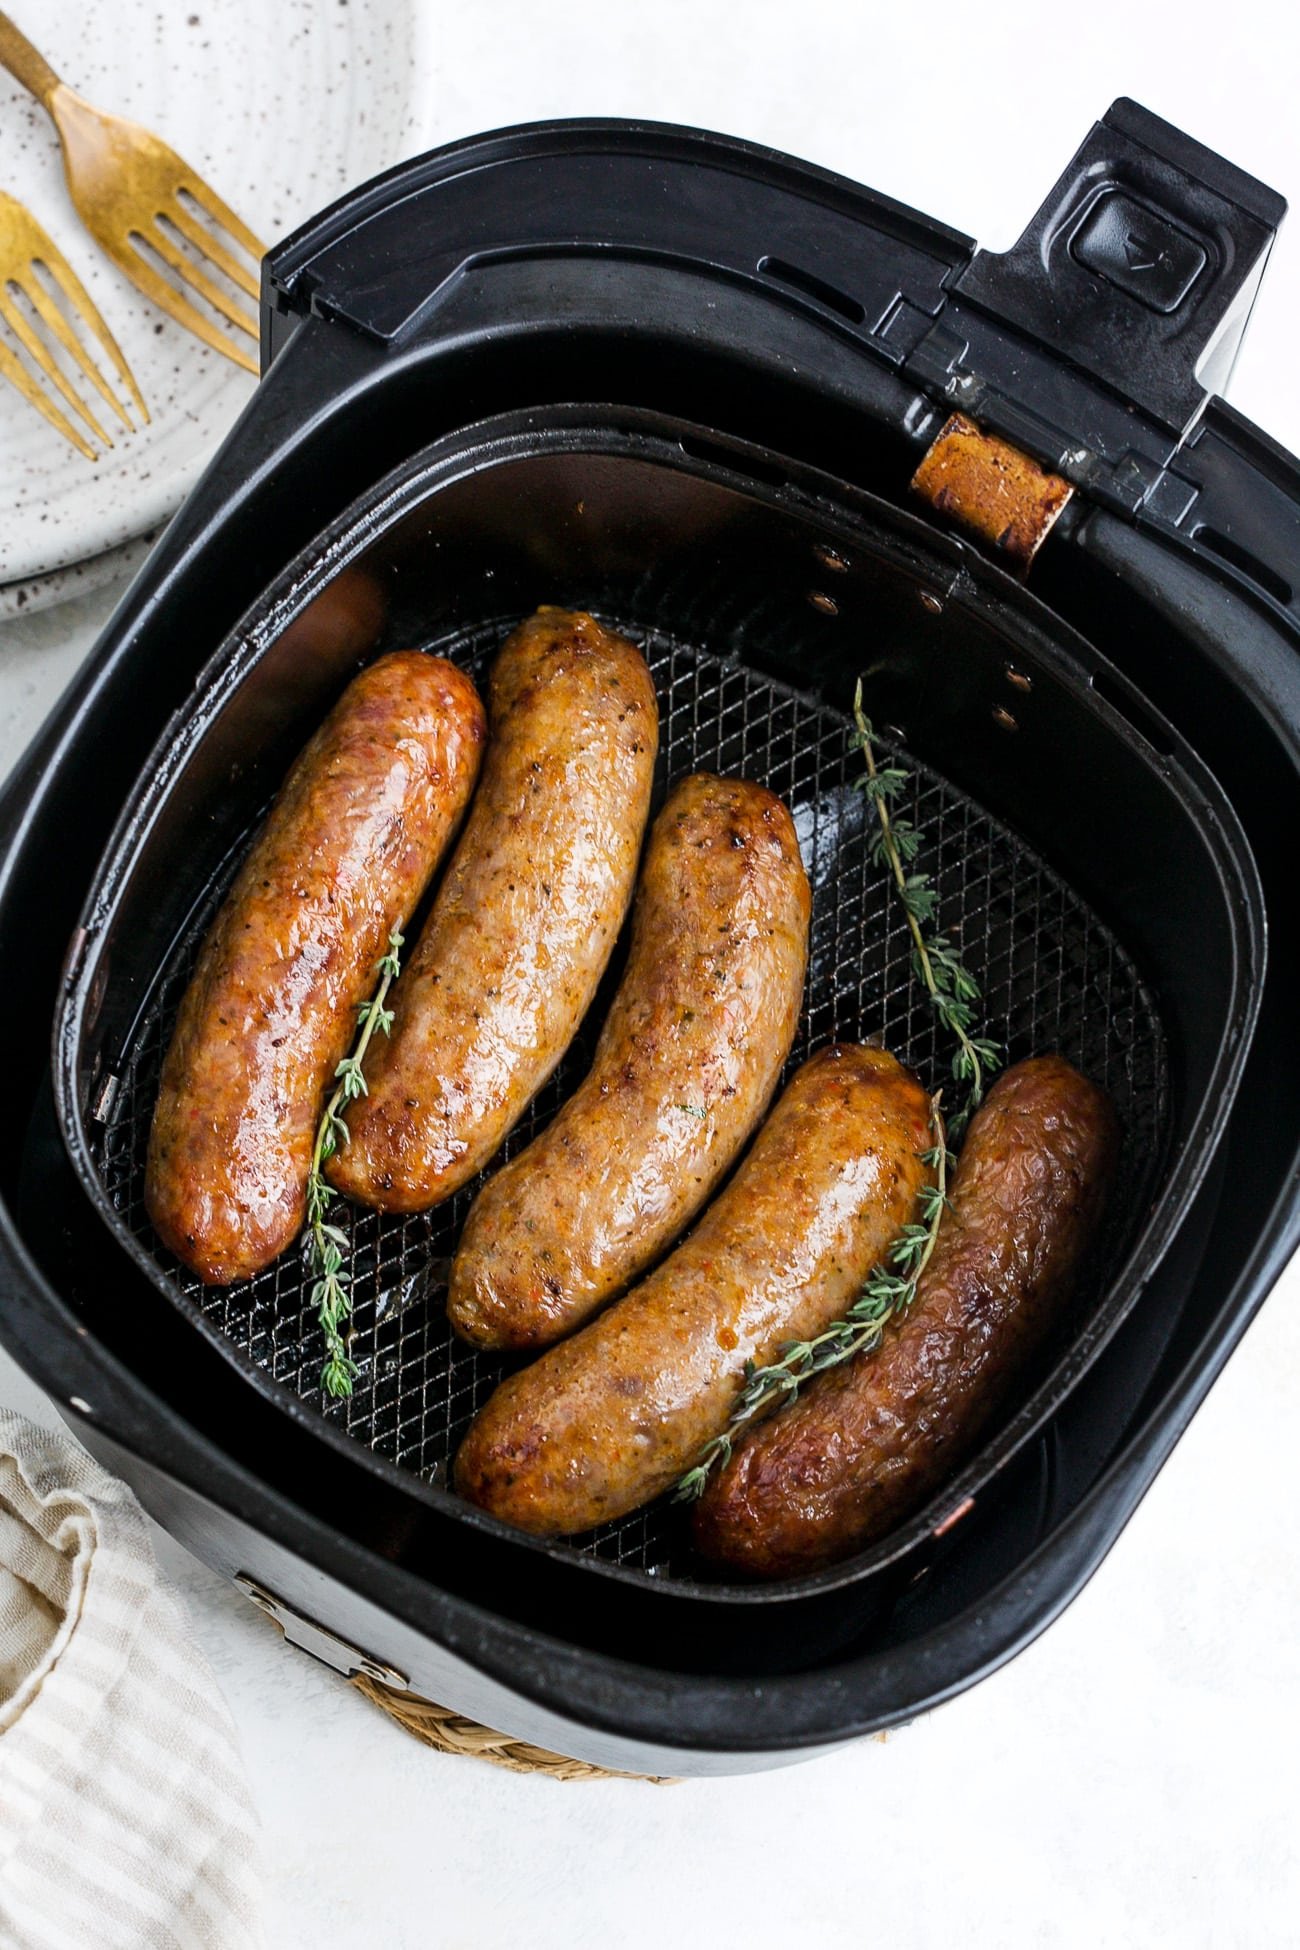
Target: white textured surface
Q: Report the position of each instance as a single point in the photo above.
(1132, 1780)
(280, 107)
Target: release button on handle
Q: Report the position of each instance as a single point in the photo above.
(1139, 250)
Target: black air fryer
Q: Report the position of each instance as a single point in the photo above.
(687, 383)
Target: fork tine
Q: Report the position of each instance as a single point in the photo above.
(14, 370)
(206, 241)
(84, 305)
(197, 279)
(40, 353)
(132, 261)
(212, 206)
(55, 323)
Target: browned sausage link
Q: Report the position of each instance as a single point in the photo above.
(866, 1444)
(607, 1420)
(524, 921)
(344, 856)
(686, 1065)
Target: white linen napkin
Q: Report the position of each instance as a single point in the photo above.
(125, 1817)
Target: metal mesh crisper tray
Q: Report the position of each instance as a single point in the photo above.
(1053, 978)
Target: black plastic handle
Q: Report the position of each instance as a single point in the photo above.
(1096, 340)
(1142, 264)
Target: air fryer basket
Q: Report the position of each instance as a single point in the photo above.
(691, 275)
(757, 603)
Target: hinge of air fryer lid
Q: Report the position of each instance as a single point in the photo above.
(318, 1640)
(1094, 342)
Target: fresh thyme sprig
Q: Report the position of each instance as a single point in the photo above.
(889, 1292)
(891, 1288)
(951, 988)
(325, 1244)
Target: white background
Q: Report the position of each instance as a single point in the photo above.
(1130, 1780)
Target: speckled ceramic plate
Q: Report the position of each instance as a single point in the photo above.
(281, 104)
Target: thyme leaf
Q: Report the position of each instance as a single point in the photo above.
(887, 1295)
(953, 991)
(324, 1244)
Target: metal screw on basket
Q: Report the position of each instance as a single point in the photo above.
(34, 275)
(145, 206)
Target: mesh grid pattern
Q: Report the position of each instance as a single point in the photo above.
(1052, 976)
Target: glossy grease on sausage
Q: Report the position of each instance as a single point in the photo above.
(612, 1417)
(348, 848)
(524, 921)
(686, 1065)
(866, 1444)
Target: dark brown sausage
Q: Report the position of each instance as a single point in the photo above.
(686, 1065)
(867, 1443)
(348, 848)
(524, 921)
(610, 1418)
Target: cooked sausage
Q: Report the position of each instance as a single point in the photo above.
(685, 1067)
(866, 1444)
(524, 921)
(608, 1419)
(358, 828)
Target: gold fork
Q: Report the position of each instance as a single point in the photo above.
(140, 201)
(26, 250)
